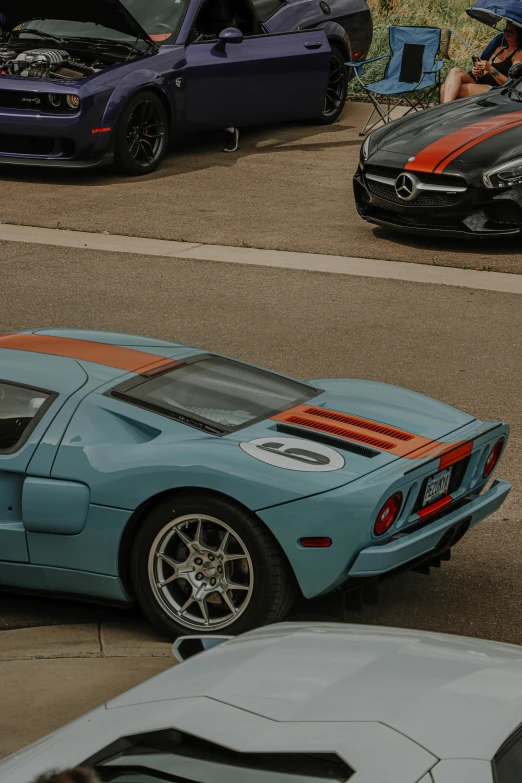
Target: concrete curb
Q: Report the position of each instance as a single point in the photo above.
(108, 640)
(310, 262)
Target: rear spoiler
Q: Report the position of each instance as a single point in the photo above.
(187, 646)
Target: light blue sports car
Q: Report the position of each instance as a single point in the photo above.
(212, 491)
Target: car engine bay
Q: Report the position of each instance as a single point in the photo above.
(54, 64)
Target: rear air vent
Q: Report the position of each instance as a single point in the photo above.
(328, 440)
(341, 432)
(362, 423)
(354, 428)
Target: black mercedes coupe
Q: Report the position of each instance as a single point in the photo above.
(452, 170)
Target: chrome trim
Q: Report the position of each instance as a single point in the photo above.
(420, 185)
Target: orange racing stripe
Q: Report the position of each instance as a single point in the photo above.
(374, 434)
(437, 156)
(100, 353)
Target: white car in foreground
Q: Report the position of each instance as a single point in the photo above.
(306, 703)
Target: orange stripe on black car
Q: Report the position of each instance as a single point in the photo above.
(99, 353)
(436, 157)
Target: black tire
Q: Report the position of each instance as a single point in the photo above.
(337, 87)
(141, 138)
(273, 589)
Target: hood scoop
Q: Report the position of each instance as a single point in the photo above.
(353, 428)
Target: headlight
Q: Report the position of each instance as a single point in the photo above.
(504, 176)
(365, 149)
(55, 100)
(73, 102)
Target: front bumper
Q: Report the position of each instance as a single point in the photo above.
(475, 214)
(376, 560)
(34, 137)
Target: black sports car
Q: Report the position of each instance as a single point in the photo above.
(452, 170)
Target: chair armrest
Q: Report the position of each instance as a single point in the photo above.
(438, 65)
(365, 62)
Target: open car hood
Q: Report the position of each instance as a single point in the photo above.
(107, 13)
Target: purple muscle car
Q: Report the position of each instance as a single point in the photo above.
(103, 82)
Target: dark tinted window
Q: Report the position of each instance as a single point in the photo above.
(265, 8)
(19, 408)
(172, 755)
(508, 762)
(220, 392)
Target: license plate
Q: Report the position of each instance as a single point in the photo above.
(437, 486)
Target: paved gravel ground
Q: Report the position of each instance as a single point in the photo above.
(459, 345)
(288, 188)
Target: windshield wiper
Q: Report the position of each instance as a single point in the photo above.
(106, 41)
(40, 34)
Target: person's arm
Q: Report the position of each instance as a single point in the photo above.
(490, 68)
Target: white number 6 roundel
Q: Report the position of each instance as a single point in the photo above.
(294, 454)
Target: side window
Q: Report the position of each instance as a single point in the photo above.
(216, 15)
(20, 409)
(508, 761)
(266, 8)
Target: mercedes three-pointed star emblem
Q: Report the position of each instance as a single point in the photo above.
(406, 187)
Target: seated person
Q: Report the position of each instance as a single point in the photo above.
(486, 74)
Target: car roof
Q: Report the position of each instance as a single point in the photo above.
(456, 697)
(59, 352)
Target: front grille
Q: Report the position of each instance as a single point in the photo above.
(424, 199)
(418, 221)
(26, 145)
(457, 475)
(328, 440)
(448, 180)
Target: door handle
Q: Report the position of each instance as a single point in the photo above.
(313, 45)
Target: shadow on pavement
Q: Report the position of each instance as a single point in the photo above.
(191, 153)
(464, 246)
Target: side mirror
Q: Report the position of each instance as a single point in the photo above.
(515, 72)
(187, 646)
(229, 36)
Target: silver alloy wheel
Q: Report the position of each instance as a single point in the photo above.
(200, 572)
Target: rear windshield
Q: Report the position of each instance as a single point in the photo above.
(220, 392)
(20, 407)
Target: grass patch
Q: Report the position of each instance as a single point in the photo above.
(431, 13)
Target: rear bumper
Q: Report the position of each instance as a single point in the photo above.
(376, 560)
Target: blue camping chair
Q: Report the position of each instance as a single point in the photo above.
(413, 72)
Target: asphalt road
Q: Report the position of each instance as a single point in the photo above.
(288, 187)
(459, 345)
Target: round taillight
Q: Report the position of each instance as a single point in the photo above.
(388, 514)
(493, 458)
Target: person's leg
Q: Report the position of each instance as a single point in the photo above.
(473, 89)
(453, 84)
(442, 92)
